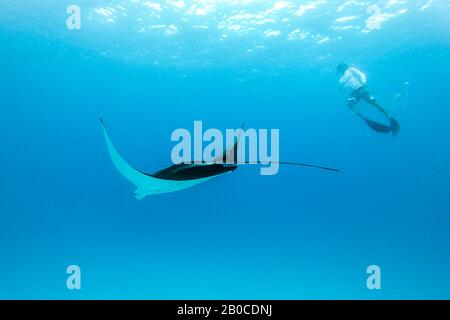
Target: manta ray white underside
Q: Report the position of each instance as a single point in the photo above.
(145, 184)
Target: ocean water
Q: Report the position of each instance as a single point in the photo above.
(149, 67)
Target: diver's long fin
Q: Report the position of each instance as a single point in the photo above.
(395, 126)
(378, 127)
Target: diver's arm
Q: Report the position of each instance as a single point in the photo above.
(341, 85)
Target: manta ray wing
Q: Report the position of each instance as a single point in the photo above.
(146, 184)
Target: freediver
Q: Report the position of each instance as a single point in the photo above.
(355, 82)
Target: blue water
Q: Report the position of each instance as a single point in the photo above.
(149, 69)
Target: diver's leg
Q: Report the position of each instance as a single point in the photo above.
(352, 102)
(370, 99)
(395, 126)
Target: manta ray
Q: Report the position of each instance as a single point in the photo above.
(180, 176)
